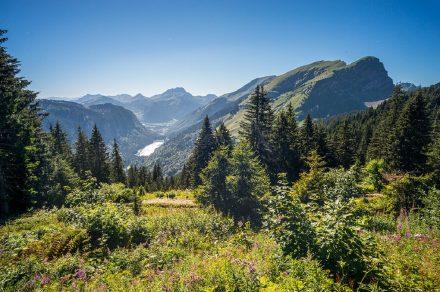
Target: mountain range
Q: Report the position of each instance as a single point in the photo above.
(322, 89)
(168, 106)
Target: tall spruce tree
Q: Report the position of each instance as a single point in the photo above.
(344, 145)
(59, 142)
(99, 164)
(185, 177)
(413, 135)
(307, 136)
(81, 161)
(132, 176)
(201, 154)
(223, 137)
(22, 151)
(117, 173)
(257, 126)
(213, 190)
(248, 184)
(285, 144)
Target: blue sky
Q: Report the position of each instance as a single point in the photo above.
(70, 48)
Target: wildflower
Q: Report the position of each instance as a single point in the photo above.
(45, 280)
(81, 274)
(252, 268)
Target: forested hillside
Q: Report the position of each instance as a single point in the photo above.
(114, 122)
(350, 203)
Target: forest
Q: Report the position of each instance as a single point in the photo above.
(347, 203)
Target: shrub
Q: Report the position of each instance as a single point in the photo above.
(108, 224)
(338, 183)
(339, 247)
(372, 175)
(407, 192)
(287, 221)
(431, 210)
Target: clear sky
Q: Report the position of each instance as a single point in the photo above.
(70, 48)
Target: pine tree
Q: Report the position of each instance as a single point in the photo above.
(157, 176)
(285, 144)
(22, 151)
(59, 142)
(344, 145)
(99, 164)
(257, 126)
(201, 154)
(413, 135)
(132, 176)
(307, 136)
(223, 137)
(185, 178)
(213, 190)
(117, 172)
(81, 161)
(247, 183)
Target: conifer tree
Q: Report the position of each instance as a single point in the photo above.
(81, 156)
(132, 176)
(99, 164)
(285, 144)
(213, 190)
(117, 165)
(383, 142)
(185, 178)
(22, 151)
(344, 145)
(223, 137)
(257, 125)
(59, 143)
(413, 135)
(248, 183)
(307, 134)
(201, 154)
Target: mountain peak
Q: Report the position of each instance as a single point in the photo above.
(176, 90)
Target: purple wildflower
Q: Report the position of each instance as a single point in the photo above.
(81, 274)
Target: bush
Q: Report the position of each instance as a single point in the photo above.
(431, 210)
(339, 247)
(407, 193)
(373, 180)
(108, 224)
(287, 221)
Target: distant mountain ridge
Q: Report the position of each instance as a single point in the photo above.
(173, 104)
(114, 122)
(322, 89)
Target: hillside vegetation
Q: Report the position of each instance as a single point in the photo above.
(352, 204)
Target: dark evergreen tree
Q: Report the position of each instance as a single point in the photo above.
(257, 126)
(59, 142)
(213, 190)
(307, 136)
(223, 137)
(117, 172)
(413, 135)
(344, 145)
(248, 183)
(285, 144)
(99, 164)
(203, 149)
(81, 161)
(22, 151)
(132, 176)
(185, 178)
